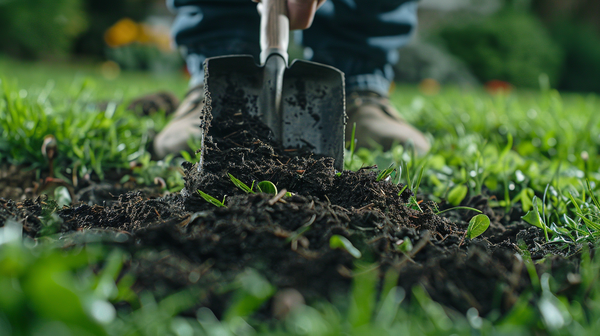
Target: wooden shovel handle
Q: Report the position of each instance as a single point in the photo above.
(274, 29)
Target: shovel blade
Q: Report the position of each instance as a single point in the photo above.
(313, 109)
(312, 115)
(232, 82)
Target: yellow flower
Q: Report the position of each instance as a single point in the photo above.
(124, 32)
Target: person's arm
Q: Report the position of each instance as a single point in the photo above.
(301, 12)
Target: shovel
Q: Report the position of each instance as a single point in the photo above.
(303, 104)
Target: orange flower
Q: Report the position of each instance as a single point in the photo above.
(498, 86)
(124, 32)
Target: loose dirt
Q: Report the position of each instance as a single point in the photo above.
(180, 240)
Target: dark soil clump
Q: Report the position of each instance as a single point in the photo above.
(181, 240)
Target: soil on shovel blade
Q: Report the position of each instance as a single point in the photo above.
(181, 240)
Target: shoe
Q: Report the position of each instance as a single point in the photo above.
(186, 124)
(378, 123)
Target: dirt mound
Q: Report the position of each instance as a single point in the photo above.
(182, 240)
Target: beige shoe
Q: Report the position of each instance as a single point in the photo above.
(185, 125)
(378, 122)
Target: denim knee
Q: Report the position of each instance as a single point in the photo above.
(359, 37)
(214, 28)
(362, 38)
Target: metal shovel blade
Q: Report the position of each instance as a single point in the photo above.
(311, 113)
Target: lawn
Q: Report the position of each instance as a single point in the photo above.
(526, 159)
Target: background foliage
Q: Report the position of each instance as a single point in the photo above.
(581, 47)
(40, 28)
(510, 46)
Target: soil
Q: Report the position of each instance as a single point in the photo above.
(180, 240)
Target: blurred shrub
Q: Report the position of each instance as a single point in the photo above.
(103, 14)
(141, 56)
(581, 45)
(139, 46)
(510, 46)
(38, 28)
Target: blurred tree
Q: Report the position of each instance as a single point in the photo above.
(40, 28)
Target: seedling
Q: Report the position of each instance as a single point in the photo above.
(341, 242)
(212, 200)
(533, 217)
(414, 186)
(384, 174)
(242, 185)
(477, 226)
(404, 245)
(267, 187)
(412, 201)
(402, 190)
(577, 209)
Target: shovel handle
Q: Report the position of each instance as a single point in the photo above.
(274, 29)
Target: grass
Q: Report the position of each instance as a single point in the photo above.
(46, 275)
(535, 149)
(85, 113)
(68, 78)
(510, 147)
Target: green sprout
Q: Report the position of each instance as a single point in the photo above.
(212, 200)
(477, 226)
(267, 187)
(242, 185)
(384, 174)
(342, 243)
(404, 245)
(533, 217)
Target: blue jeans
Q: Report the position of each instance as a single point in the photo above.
(359, 37)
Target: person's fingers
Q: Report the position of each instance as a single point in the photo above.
(301, 12)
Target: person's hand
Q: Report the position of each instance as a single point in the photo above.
(301, 12)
